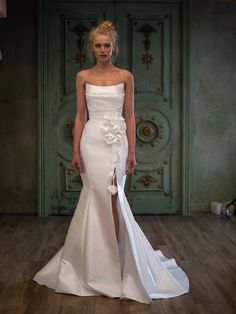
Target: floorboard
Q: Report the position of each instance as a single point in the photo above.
(204, 245)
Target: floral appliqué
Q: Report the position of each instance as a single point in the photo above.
(114, 127)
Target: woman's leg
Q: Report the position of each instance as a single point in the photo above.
(115, 214)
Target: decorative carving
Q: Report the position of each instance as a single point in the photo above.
(75, 182)
(141, 118)
(147, 179)
(151, 180)
(147, 57)
(152, 131)
(68, 131)
(147, 131)
(69, 180)
(79, 29)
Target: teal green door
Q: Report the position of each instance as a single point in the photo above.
(150, 46)
(151, 49)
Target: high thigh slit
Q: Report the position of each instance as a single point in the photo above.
(115, 212)
(95, 260)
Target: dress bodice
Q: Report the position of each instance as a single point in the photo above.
(105, 104)
(104, 100)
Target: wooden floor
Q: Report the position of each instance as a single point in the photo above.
(204, 245)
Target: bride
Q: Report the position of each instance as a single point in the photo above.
(105, 251)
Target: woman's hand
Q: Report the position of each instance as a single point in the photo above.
(131, 163)
(77, 163)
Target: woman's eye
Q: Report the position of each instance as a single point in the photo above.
(105, 45)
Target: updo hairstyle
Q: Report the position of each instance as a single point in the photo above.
(104, 28)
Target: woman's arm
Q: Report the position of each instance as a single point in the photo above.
(130, 120)
(80, 120)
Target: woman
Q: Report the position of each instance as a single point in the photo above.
(105, 251)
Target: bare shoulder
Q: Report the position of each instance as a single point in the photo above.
(82, 75)
(127, 73)
(127, 76)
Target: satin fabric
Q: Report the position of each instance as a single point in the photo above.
(92, 261)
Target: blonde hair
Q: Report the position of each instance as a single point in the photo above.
(104, 28)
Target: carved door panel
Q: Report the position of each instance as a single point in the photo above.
(68, 27)
(149, 46)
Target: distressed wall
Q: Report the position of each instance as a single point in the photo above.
(18, 118)
(212, 105)
(213, 102)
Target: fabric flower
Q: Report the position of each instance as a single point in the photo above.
(113, 129)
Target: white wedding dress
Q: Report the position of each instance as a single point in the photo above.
(92, 262)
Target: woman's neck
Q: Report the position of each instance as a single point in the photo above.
(104, 66)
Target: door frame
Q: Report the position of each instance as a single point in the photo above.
(43, 92)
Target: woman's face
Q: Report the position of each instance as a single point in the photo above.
(102, 47)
